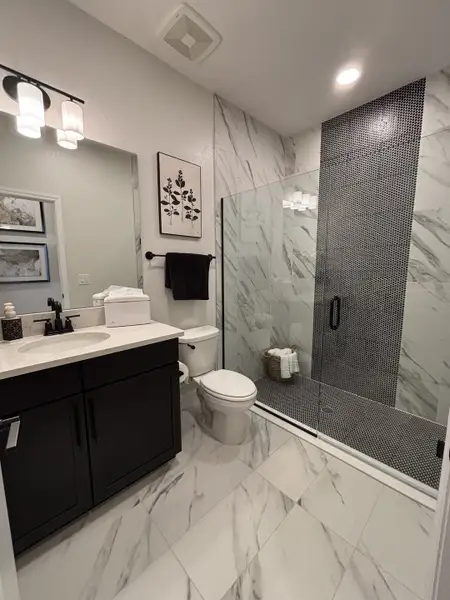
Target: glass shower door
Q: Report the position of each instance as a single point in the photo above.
(269, 247)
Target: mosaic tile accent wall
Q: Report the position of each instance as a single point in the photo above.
(368, 171)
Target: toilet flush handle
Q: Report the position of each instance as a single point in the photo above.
(191, 346)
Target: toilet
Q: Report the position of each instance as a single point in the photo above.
(225, 396)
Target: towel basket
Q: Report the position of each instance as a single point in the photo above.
(272, 364)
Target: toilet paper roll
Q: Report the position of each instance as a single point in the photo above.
(184, 372)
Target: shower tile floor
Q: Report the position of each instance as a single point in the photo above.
(398, 439)
(274, 519)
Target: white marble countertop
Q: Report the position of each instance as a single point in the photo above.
(13, 362)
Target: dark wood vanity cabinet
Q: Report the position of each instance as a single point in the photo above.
(76, 451)
(131, 429)
(46, 477)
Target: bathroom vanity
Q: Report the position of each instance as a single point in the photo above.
(93, 420)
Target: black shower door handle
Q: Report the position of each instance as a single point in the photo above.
(335, 313)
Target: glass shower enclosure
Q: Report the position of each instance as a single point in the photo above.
(317, 276)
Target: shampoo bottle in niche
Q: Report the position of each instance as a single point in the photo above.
(11, 323)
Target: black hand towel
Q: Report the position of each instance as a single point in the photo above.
(187, 275)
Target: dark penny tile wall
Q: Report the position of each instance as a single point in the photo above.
(369, 159)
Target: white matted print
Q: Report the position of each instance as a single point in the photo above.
(180, 197)
(23, 263)
(19, 213)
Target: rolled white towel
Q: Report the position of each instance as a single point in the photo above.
(274, 352)
(293, 362)
(285, 367)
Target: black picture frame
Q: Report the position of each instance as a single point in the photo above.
(29, 245)
(24, 229)
(190, 224)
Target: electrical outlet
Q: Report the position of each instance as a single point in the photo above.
(84, 279)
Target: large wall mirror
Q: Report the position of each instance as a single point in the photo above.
(69, 220)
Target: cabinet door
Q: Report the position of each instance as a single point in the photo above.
(46, 475)
(131, 428)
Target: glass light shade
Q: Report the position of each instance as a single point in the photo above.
(27, 126)
(66, 140)
(72, 119)
(31, 103)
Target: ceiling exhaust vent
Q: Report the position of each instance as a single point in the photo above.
(189, 34)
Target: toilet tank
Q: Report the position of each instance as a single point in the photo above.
(198, 349)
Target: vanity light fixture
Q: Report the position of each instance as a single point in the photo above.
(66, 140)
(34, 100)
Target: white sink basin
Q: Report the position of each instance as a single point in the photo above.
(64, 342)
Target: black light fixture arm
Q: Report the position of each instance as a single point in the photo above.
(41, 84)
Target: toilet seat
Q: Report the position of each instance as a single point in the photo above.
(228, 386)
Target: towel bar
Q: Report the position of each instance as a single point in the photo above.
(150, 255)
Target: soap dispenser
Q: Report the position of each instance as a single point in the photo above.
(11, 323)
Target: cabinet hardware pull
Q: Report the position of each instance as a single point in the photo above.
(92, 419)
(12, 425)
(76, 417)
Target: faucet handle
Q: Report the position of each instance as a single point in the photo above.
(48, 328)
(68, 323)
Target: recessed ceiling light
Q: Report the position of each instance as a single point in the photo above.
(348, 76)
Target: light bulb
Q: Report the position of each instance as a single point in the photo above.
(348, 76)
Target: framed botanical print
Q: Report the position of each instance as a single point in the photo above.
(180, 197)
(19, 213)
(23, 263)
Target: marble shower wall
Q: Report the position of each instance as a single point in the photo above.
(424, 371)
(248, 156)
(269, 251)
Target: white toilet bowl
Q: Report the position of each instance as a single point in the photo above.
(225, 396)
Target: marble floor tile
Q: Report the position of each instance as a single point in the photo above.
(263, 439)
(302, 560)
(165, 579)
(364, 580)
(208, 479)
(221, 545)
(94, 564)
(342, 498)
(398, 538)
(294, 466)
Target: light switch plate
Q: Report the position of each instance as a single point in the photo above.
(84, 279)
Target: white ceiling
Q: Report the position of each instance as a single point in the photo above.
(279, 58)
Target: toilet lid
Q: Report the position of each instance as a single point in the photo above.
(229, 384)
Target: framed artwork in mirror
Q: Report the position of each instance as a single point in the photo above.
(180, 197)
(23, 263)
(19, 213)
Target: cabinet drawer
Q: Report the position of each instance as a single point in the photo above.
(27, 391)
(121, 365)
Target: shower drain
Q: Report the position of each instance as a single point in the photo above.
(326, 409)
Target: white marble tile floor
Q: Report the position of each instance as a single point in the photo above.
(275, 518)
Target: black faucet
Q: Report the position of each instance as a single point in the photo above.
(56, 306)
(58, 326)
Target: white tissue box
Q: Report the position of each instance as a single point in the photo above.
(122, 311)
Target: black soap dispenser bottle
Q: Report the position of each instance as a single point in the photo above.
(11, 323)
